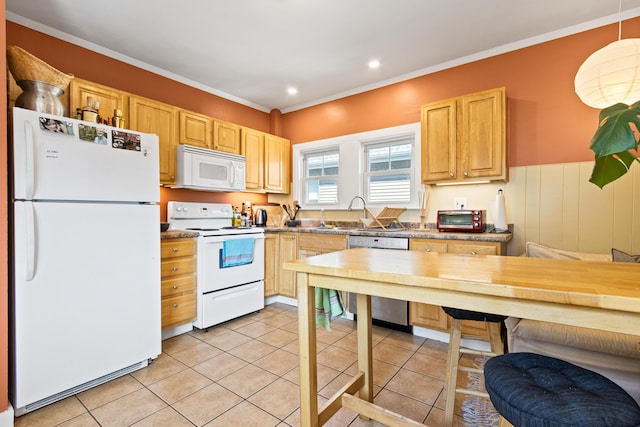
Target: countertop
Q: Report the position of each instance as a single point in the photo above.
(429, 233)
(178, 234)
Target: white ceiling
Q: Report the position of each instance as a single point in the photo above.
(251, 51)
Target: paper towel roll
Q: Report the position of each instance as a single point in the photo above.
(500, 213)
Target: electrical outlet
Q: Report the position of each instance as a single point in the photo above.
(459, 202)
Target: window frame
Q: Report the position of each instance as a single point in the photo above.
(304, 179)
(400, 139)
(352, 165)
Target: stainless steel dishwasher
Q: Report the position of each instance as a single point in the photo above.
(386, 312)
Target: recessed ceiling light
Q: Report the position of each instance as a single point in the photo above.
(292, 91)
(373, 64)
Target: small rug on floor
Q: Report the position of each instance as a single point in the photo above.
(478, 411)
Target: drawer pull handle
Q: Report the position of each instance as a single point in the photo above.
(427, 250)
(466, 174)
(451, 174)
(175, 268)
(175, 249)
(175, 305)
(175, 286)
(474, 253)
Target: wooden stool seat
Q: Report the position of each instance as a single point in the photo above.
(455, 351)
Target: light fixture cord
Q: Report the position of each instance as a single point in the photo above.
(619, 20)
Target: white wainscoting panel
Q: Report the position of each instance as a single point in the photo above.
(556, 205)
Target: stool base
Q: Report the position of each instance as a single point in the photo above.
(453, 360)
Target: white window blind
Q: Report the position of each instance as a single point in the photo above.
(389, 172)
(321, 177)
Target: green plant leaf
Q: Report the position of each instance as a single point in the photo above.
(615, 134)
(611, 167)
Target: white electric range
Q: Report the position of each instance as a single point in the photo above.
(230, 261)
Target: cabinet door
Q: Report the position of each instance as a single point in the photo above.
(178, 310)
(195, 129)
(427, 315)
(427, 245)
(151, 116)
(474, 248)
(439, 136)
(109, 99)
(271, 249)
(483, 135)
(316, 243)
(252, 147)
(226, 137)
(288, 252)
(172, 248)
(277, 153)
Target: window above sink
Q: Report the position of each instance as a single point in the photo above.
(382, 165)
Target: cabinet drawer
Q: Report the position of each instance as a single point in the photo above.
(177, 247)
(324, 242)
(473, 248)
(175, 267)
(178, 285)
(427, 245)
(178, 310)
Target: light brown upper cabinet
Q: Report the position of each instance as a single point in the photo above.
(110, 99)
(267, 161)
(464, 138)
(252, 147)
(277, 164)
(147, 115)
(195, 129)
(226, 137)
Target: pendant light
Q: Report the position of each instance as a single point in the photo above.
(612, 74)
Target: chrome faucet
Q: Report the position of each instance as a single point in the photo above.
(364, 207)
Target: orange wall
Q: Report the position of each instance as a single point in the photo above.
(547, 121)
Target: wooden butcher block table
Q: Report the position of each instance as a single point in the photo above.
(598, 295)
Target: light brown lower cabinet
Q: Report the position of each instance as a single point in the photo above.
(288, 252)
(283, 247)
(178, 281)
(271, 249)
(431, 316)
(279, 248)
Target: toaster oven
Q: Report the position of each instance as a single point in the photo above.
(461, 220)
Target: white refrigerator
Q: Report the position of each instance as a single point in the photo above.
(86, 256)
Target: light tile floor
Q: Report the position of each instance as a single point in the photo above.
(245, 373)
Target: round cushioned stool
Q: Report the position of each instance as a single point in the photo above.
(453, 357)
(533, 390)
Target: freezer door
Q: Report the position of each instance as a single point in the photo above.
(65, 161)
(86, 294)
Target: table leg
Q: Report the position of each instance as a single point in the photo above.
(307, 350)
(365, 358)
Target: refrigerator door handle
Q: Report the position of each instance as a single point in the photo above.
(30, 244)
(29, 158)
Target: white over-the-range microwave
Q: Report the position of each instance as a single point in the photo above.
(209, 170)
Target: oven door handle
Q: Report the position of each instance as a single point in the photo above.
(220, 239)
